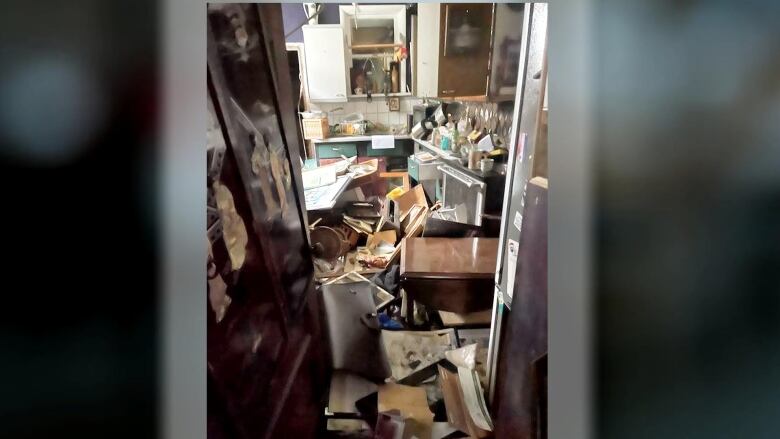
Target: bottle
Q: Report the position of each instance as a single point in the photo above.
(455, 139)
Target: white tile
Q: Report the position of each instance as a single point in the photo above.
(385, 118)
(372, 106)
(360, 107)
(394, 119)
(372, 117)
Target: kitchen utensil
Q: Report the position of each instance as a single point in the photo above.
(328, 243)
(439, 116)
(418, 131)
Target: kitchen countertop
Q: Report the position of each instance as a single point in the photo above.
(499, 169)
(363, 138)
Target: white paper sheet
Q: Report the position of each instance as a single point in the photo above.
(383, 142)
(474, 399)
(325, 197)
(518, 221)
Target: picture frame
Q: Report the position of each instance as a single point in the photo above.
(394, 104)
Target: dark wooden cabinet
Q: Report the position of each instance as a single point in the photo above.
(265, 359)
(464, 49)
(450, 274)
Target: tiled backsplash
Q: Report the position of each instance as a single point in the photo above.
(375, 111)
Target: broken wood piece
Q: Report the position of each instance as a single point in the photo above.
(412, 197)
(412, 404)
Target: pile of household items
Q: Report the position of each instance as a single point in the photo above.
(407, 300)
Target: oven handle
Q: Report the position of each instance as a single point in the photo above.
(469, 182)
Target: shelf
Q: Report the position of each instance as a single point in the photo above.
(381, 95)
(375, 46)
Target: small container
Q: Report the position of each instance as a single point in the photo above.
(445, 143)
(486, 165)
(475, 156)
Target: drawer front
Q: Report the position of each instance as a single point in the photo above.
(429, 171)
(397, 151)
(424, 171)
(336, 150)
(413, 169)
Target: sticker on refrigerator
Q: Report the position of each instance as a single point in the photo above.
(512, 247)
(518, 220)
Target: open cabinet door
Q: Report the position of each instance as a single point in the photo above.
(265, 363)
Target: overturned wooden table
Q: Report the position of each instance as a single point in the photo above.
(449, 274)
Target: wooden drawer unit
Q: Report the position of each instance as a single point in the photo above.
(450, 274)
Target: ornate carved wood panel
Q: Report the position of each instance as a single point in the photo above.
(264, 355)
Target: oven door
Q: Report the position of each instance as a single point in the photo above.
(463, 197)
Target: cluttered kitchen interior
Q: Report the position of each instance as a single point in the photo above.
(377, 220)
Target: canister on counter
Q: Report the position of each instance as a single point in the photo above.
(475, 156)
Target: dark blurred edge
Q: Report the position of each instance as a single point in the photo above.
(79, 327)
(684, 272)
(686, 215)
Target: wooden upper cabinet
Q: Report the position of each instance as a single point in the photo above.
(464, 49)
(453, 49)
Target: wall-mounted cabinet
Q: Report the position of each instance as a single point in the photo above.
(325, 63)
(373, 33)
(468, 50)
(454, 47)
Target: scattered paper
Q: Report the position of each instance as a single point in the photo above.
(474, 398)
(463, 357)
(360, 226)
(409, 351)
(457, 412)
(325, 197)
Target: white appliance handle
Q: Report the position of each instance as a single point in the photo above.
(457, 175)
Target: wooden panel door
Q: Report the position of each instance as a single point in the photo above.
(464, 49)
(264, 360)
